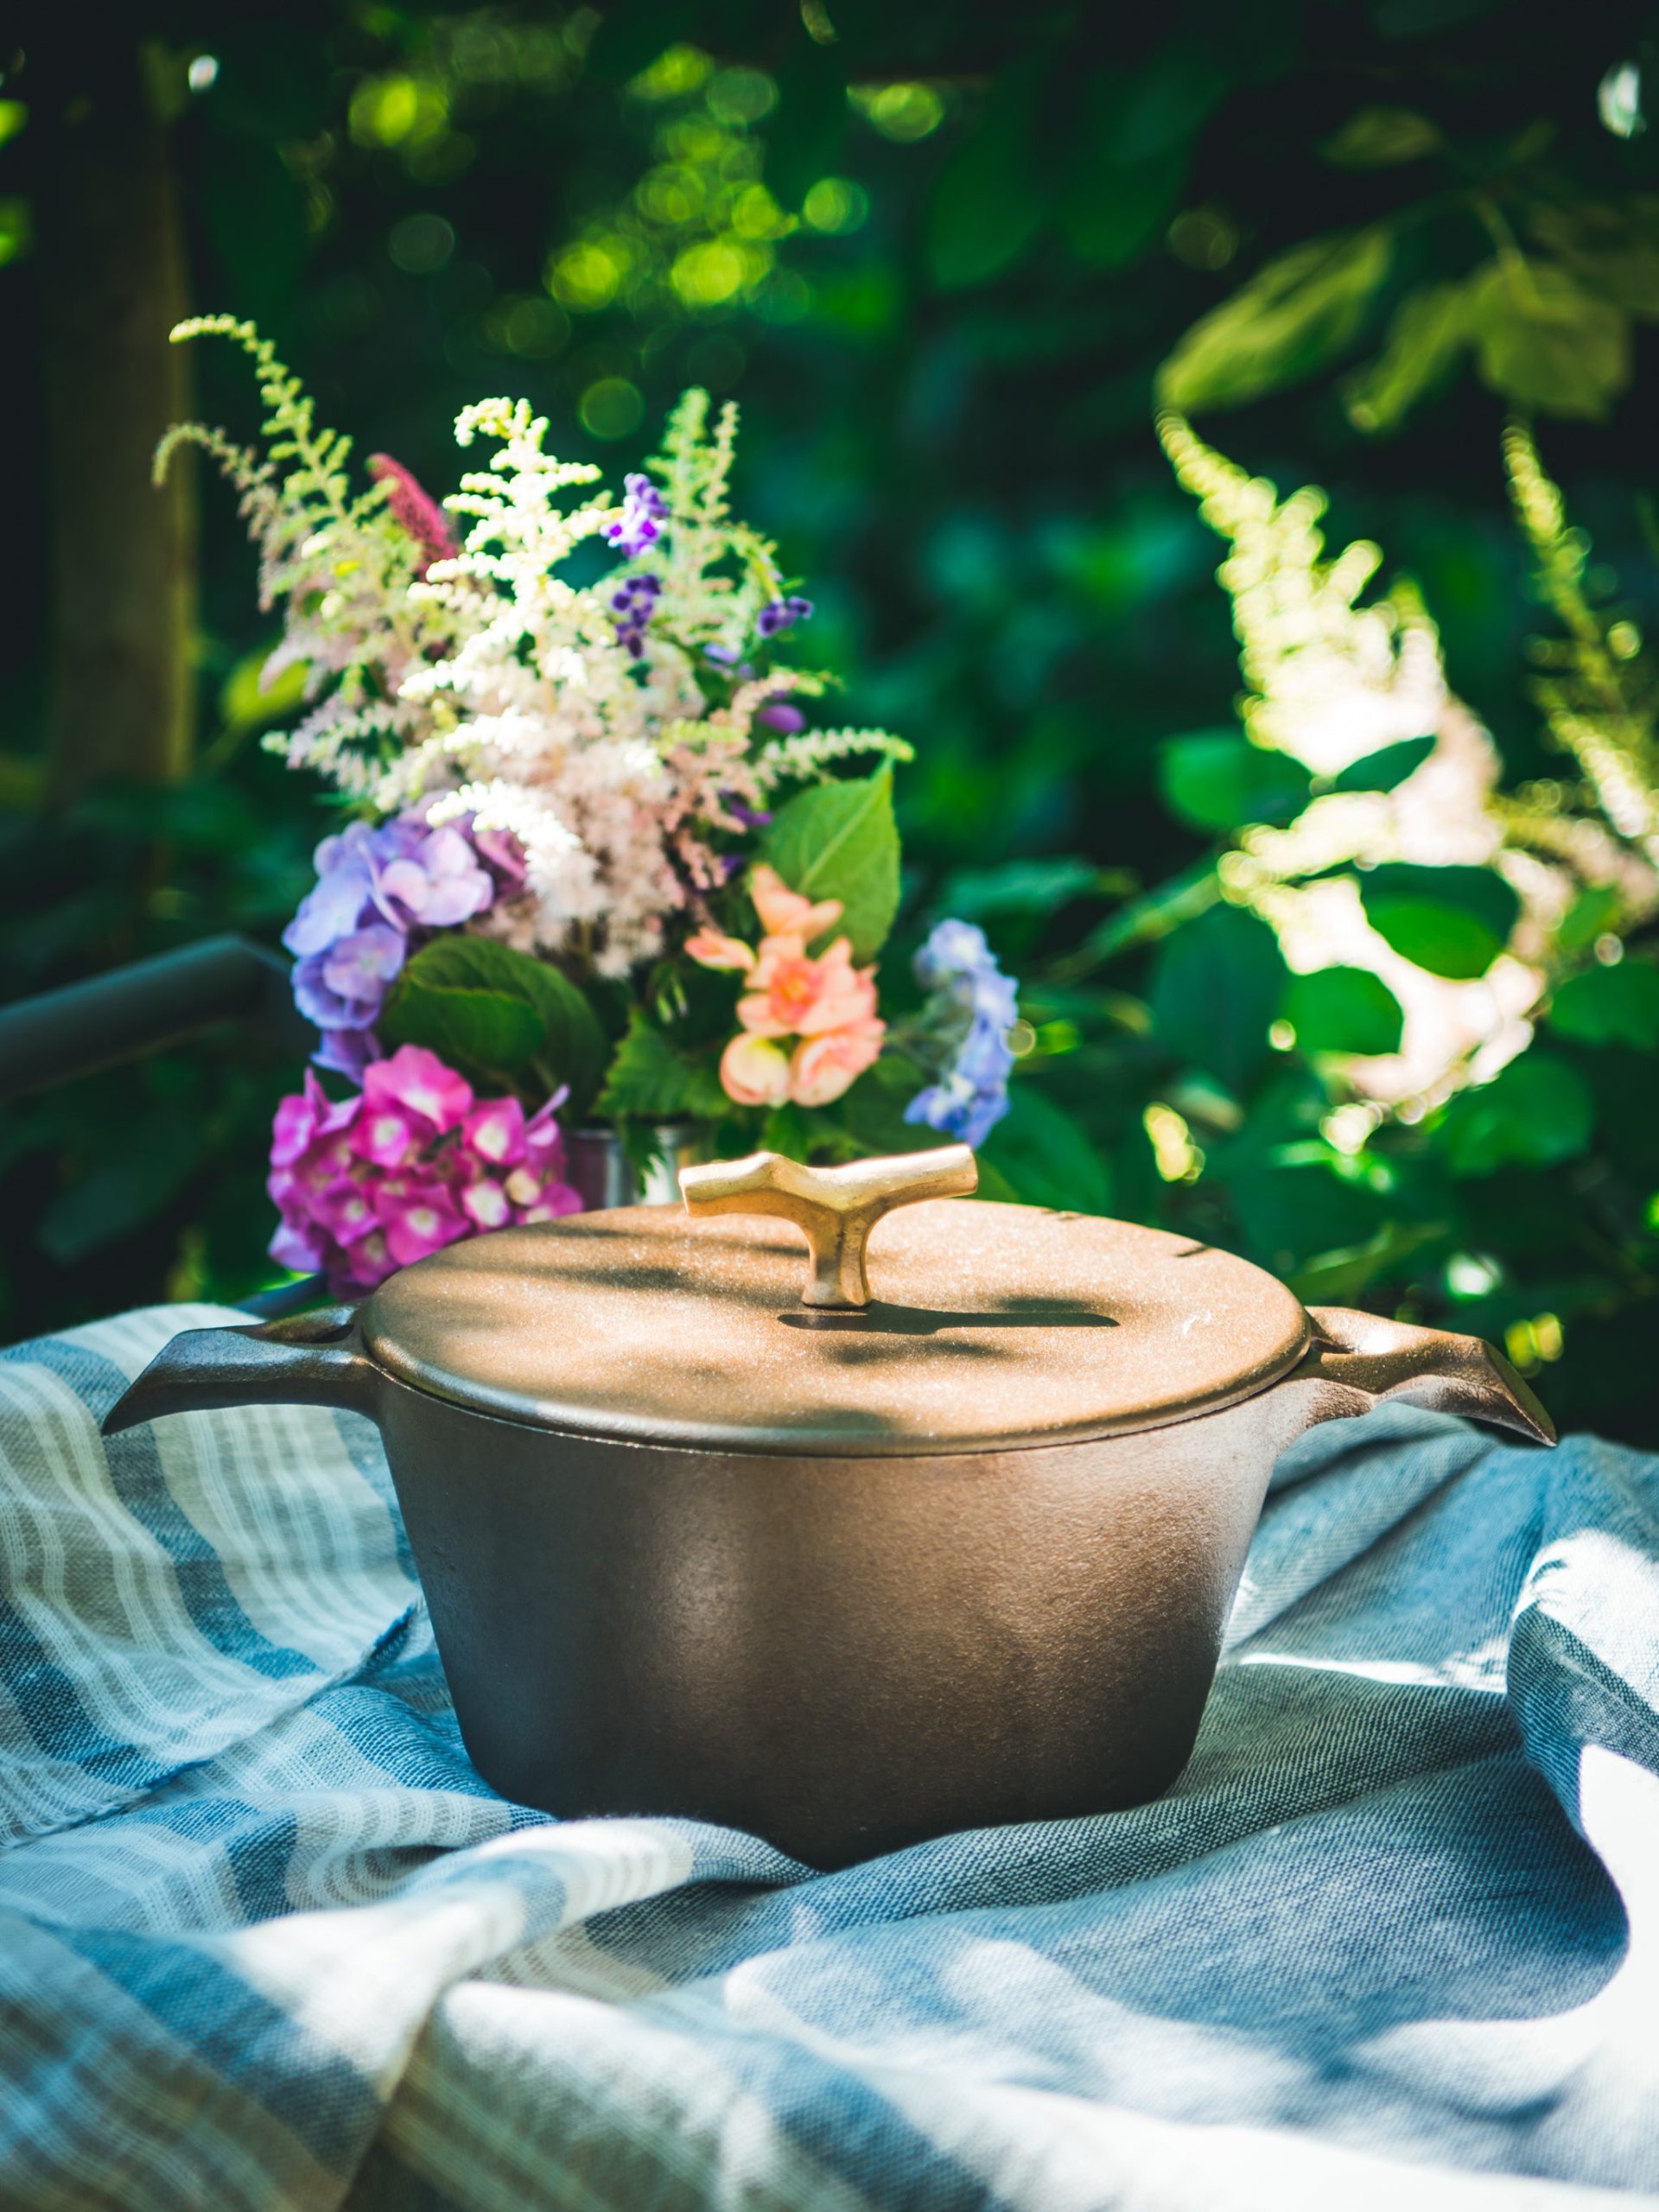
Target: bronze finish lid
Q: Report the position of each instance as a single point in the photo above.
(997, 1327)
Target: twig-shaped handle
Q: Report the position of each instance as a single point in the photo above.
(837, 1207)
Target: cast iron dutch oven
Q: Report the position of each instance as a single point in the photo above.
(847, 1571)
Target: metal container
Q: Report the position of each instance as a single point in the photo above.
(847, 1570)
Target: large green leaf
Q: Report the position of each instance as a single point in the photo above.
(1609, 1006)
(1044, 1157)
(1344, 1010)
(1544, 341)
(1302, 311)
(498, 1016)
(1217, 987)
(1217, 779)
(1534, 1113)
(1452, 921)
(840, 841)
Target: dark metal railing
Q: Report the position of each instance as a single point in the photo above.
(144, 1008)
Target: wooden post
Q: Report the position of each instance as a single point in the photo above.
(113, 282)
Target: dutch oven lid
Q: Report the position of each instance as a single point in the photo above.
(992, 1326)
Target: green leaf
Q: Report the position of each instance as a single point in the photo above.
(1386, 769)
(1345, 1010)
(1381, 138)
(1299, 313)
(988, 203)
(651, 1079)
(1452, 921)
(1338, 1278)
(840, 841)
(1044, 1156)
(1534, 1113)
(1030, 886)
(495, 1015)
(1429, 330)
(1216, 780)
(1609, 1006)
(1217, 987)
(1543, 341)
(1592, 914)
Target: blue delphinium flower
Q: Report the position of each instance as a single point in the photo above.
(971, 1007)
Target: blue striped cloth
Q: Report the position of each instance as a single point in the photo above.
(266, 1941)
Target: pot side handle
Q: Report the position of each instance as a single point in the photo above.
(1425, 1366)
(308, 1359)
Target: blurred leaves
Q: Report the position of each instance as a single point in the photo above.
(1216, 988)
(1609, 1006)
(1534, 1113)
(1344, 1010)
(1215, 780)
(1046, 1157)
(1543, 341)
(1452, 921)
(1297, 315)
(989, 201)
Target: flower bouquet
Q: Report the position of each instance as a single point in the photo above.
(597, 862)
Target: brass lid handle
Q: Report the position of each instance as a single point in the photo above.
(837, 1207)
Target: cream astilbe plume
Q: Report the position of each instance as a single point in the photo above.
(1331, 680)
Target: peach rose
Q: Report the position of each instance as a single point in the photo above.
(790, 995)
(754, 1072)
(784, 913)
(822, 1067)
(711, 948)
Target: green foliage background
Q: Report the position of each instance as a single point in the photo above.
(947, 256)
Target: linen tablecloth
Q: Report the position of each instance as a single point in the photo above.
(266, 1940)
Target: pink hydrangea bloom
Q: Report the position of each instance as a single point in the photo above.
(418, 1080)
(495, 1131)
(375, 1182)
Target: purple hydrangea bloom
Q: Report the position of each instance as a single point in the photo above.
(343, 986)
(971, 1006)
(640, 521)
(351, 934)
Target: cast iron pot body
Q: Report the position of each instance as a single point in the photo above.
(843, 1655)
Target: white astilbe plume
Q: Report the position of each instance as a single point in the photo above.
(487, 686)
(1331, 680)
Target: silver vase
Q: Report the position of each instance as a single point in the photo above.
(597, 1165)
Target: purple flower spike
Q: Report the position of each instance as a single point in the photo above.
(641, 522)
(634, 605)
(779, 714)
(783, 614)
